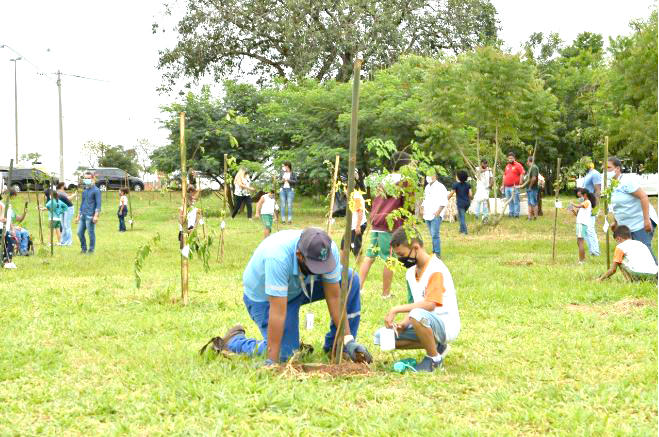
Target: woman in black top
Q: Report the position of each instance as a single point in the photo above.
(462, 191)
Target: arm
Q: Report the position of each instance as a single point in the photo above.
(97, 200)
(276, 319)
(21, 217)
(451, 194)
(360, 217)
(391, 315)
(471, 195)
(259, 204)
(609, 272)
(332, 293)
(645, 206)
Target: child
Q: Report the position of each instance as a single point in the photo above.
(359, 221)
(266, 207)
(462, 191)
(123, 209)
(56, 209)
(633, 257)
(433, 318)
(583, 211)
(194, 214)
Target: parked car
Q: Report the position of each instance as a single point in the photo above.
(28, 179)
(111, 178)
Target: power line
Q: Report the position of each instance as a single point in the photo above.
(27, 60)
(83, 77)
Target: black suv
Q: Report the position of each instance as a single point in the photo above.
(28, 179)
(110, 178)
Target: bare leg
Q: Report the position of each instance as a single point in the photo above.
(426, 337)
(582, 252)
(387, 277)
(363, 270)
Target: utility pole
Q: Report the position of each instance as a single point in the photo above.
(61, 131)
(16, 104)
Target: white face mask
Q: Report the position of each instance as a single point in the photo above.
(429, 179)
(611, 174)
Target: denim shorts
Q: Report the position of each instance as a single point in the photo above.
(532, 196)
(426, 318)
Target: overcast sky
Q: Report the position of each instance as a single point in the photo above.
(112, 41)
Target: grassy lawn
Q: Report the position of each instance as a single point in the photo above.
(543, 348)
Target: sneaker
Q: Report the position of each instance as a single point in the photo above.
(232, 332)
(443, 350)
(428, 365)
(83, 252)
(10, 265)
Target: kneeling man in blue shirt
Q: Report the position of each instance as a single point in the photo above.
(290, 269)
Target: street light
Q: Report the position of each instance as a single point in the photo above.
(16, 102)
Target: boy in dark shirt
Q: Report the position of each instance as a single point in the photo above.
(462, 191)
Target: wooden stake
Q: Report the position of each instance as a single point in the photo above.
(274, 189)
(50, 218)
(220, 253)
(184, 234)
(495, 185)
(333, 194)
(557, 180)
(337, 349)
(36, 193)
(606, 199)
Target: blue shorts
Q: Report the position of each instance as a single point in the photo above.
(426, 318)
(532, 196)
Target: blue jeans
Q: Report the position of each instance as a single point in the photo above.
(286, 196)
(23, 237)
(513, 206)
(532, 196)
(86, 224)
(9, 246)
(67, 233)
(591, 238)
(646, 238)
(482, 208)
(433, 228)
(462, 216)
(260, 312)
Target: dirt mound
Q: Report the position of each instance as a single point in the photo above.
(519, 262)
(623, 306)
(305, 370)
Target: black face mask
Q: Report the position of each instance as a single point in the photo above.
(407, 261)
(304, 269)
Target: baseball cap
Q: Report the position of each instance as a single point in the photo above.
(316, 248)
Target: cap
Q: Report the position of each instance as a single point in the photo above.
(316, 248)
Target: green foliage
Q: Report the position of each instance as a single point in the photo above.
(140, 258)
(116, 156)
(301, 39)
(200, 246)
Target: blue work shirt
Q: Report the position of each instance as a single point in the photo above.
(273, 269)
(627, 208)
(593, 177)
(91, 201)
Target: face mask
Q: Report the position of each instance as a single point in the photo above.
(611, 174)
(428, 180)
(408, 261)
(87, 181)
(304, 269)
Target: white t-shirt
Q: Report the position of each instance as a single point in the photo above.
(584, 213)
(635, 256)
(268, 206)
(239, 191)
(483, 184)
(123, 201)
(358, 204)
(192, 217)
(435, 195)
(436, 285)
(287, 177)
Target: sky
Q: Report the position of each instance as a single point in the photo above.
(112, 43)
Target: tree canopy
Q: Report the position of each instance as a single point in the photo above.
(298, 39)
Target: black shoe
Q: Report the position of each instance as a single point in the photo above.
(83, 252)
(232, 332)
(428, 365)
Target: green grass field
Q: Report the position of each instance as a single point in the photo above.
(544, 349)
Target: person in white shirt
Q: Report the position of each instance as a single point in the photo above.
(483, 185)
(266, 208)
(122, 211)
(582, 210)
(434, 201)
(194, 214)
(633, 257)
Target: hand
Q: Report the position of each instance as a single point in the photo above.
(357, 352)
(647, 225)
(77, 219)
(358, 230)
(389, 319)
(95, 219)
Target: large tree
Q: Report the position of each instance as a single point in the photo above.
(321, 40)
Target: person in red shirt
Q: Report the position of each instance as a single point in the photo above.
(512, 177)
